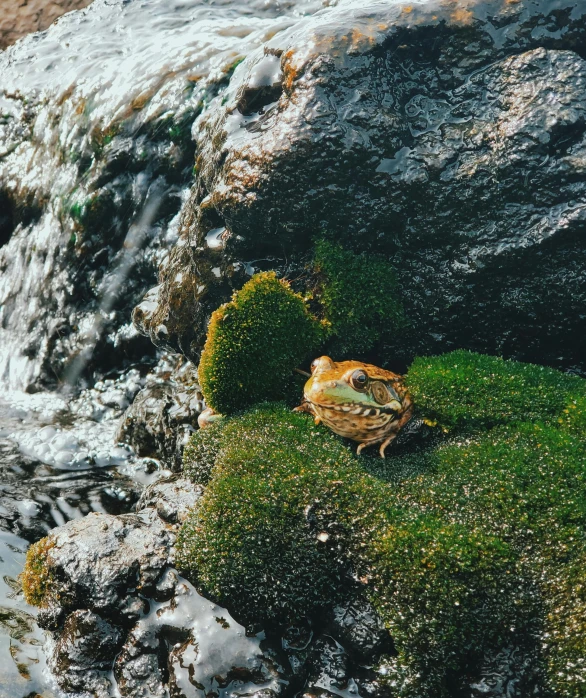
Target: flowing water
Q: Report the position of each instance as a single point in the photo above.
(130, 61)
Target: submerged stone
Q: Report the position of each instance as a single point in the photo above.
(82, 656)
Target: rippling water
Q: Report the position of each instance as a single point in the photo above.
(58, 459)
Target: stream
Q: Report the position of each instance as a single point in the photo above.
(58, 456)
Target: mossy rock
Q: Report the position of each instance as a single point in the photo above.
(524, 484)
(254, 541)
(465, 390)
(254, 343)
(360, 299)
(290, 519)
(449, 594)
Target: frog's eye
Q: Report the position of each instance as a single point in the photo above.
(359, 379)
(314, 364)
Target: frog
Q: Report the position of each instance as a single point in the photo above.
(357, 400)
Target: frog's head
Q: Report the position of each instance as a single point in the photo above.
(352, 387)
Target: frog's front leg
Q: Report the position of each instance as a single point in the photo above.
(207, 417)
(306, 406)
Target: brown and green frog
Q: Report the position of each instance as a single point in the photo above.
(358, 401)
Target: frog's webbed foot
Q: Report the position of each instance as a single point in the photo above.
(385, 443)
(304, 407)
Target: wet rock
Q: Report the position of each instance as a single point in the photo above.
(82, 655)
(164, 413)
(102, 563)
(216, 655)
(508, 673)
(190, 647)
(140, 667)
(330, 666)
(449, 139)
(359, 629)
(172, 498)
(332, 671)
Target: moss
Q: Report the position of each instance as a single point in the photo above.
(446, 593)
(37, 580)
(466, 547)
(467, 390)
(360, 298)
(289, 520)
(254, 541)
(526, 485)
(254, 343)
(565, 627)
(93, 213)
(573, 416)
(201, 452)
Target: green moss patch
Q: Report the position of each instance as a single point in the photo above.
(256, 539)
(201, 453)
(290, 519)
(467, 547)
(254, 343)
(449, 593)
(523, 485)
(36, 578)
(360, 298)
(463, 389)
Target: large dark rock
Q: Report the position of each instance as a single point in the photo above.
(448, 136)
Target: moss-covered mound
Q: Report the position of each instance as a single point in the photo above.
(254, 343)
(359, 297)
(290, 519)
(466, 390)
(36, 578)
(466, 548)
(259, 539)
(526, 485)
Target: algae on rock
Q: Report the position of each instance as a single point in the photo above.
(360, 299)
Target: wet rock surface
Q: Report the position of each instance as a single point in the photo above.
(447, 136)
(95, 155)
(164, 413)
(83, 653)
(172, 497)
(358, 626)
(103, 562)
